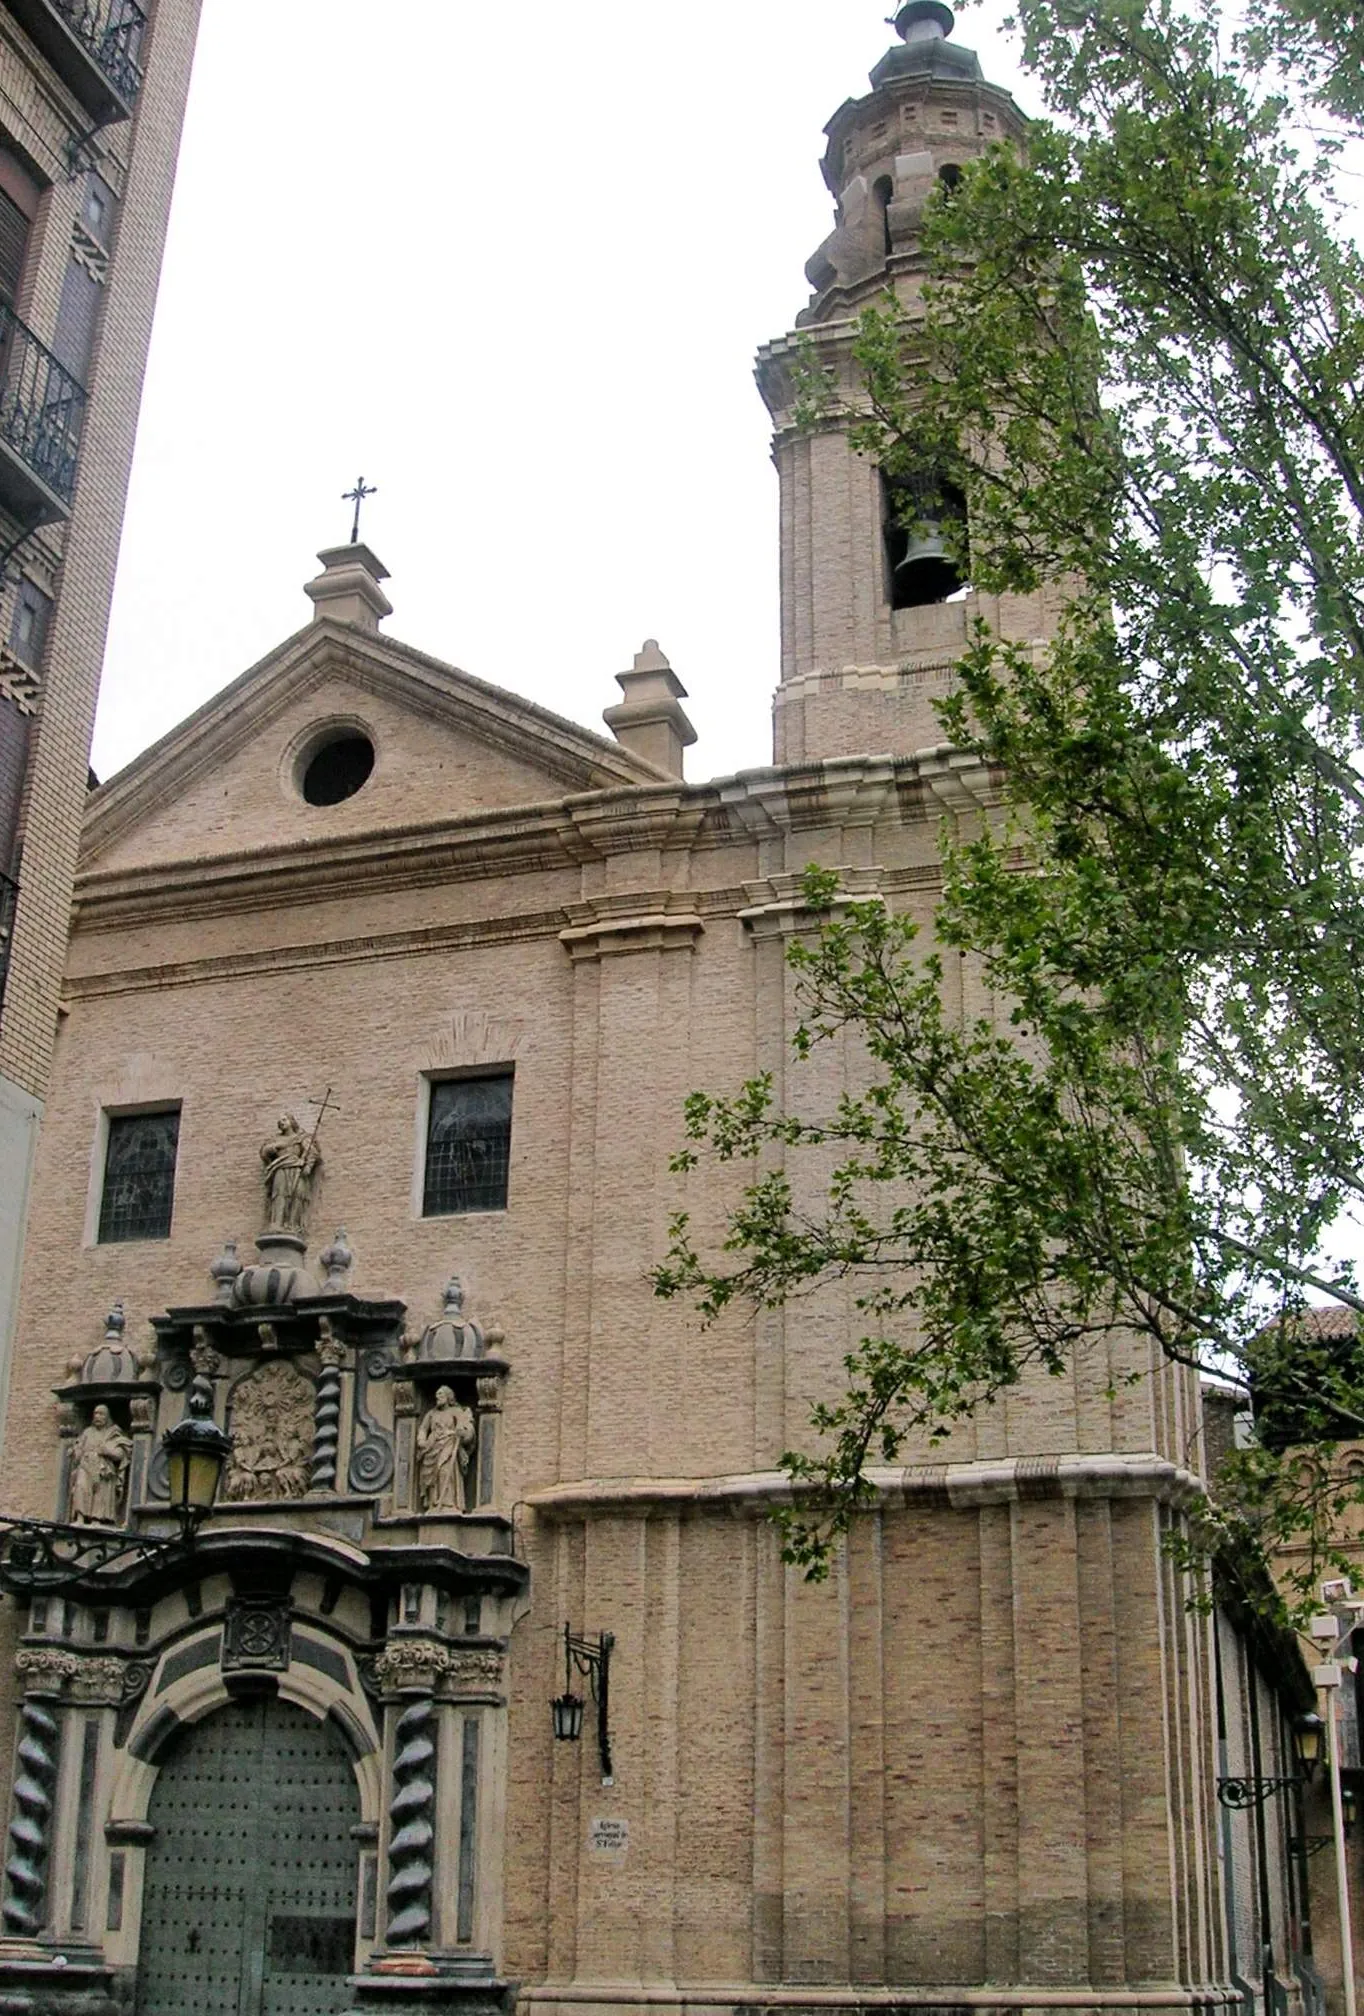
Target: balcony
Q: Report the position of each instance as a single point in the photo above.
(42, 410)
(93, 45)
(9, 896)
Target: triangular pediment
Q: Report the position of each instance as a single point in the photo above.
(229, 779)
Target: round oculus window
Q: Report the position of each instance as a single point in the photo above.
(337, 769)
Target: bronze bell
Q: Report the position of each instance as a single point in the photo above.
(925, 573)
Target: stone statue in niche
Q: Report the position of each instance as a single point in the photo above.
(445, 1443)
(272, 1429)
(291, 1161)
(99, 1468)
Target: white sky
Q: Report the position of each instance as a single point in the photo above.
(512, 264)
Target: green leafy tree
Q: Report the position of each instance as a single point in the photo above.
(1141, 360)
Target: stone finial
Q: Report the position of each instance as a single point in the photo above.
(336, 1262)
(649, 721)
(453, 1334)
(113, 1361)
(224, 1271)
(347, 590)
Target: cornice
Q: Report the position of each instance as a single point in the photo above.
(625, 922)
(666, 920)
(956, 1486)
(857, 1999)
(559, 833)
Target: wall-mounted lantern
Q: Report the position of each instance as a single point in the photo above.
(590, 1657)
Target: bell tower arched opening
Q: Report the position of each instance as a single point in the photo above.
(884, 192)
(924, 522)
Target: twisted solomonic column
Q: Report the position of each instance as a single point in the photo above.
(327, 1411)
(413, 1836)
(30, 1830)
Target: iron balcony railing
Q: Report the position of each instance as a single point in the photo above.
(42, 407)
(9, 896)
(112, 31)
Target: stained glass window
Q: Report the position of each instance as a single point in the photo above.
(139, 1176)
(468, 1145)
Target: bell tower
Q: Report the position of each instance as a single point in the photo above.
(872, 621)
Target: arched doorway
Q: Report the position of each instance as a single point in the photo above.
(249, 1898)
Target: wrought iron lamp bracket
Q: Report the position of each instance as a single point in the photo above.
(591, 1657)
(1242, 1793)
(40, 1557)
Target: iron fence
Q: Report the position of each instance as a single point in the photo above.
(112, 31)
(42, 407)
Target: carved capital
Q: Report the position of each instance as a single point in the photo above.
(142, 1414)
(424, 1666)
(411, 1665)
(406, 1399)
(475, 1671)
(330, 1348)
(203, 1357)
(98, 1680)
(490, 1396)
(44, 1671)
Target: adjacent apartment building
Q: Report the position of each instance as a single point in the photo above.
(92, 96)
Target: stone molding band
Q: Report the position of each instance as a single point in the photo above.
(955, 1486)
(943, 2000)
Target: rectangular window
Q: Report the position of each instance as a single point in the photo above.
(139, 1176)
(13, 247)
(28, 629)
(468, 1145)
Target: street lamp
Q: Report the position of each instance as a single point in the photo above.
(1329, 1677)
(196, 1451)
(1308, 1731)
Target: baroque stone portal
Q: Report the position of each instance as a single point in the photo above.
(445, 1442)
(272, 1429)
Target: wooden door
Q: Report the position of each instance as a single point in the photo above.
(249, 1899)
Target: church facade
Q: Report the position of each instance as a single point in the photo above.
(384, 993)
